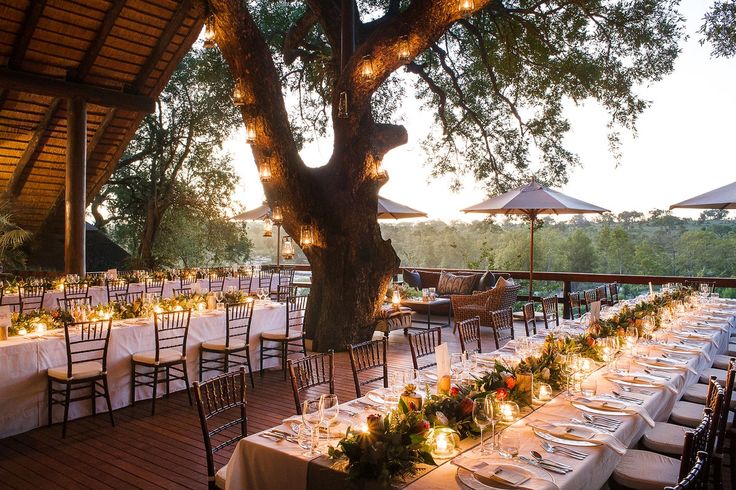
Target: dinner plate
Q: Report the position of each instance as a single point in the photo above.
(376, 398)
(561, 440)
(468, 479)
(640, 381)
(612, 404)
(659, 365)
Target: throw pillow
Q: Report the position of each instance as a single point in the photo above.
(429, 279)
(495, 295)
(455, 284)
(487, 280)
(412, 279)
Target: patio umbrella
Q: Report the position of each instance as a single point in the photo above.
(388, 209)
(532, 200)
(721, 198)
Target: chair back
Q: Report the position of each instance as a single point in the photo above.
(311, 371)
(695, 440)
(155, 286)
(87, 342)
(714, 401)
(245, 280)
(576, 305)
(186, 292)
(238, 318)
(697, 478)
(296, 308)
(423, 344)
(76, 290)
(508, 298)
(550, 312)
(128, 297)
(31, 297)
(116, 286)
(365, 356)
(68, 304)
(530, 321)
(503, 326)
(469, 331)
(216, 282)
(726, 409)
(601, 295)
(219, 397)
(589, 298)
(613, 293)
(265, 275)
(186, 280)
(172, 330)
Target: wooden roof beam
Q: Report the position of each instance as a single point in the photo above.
(20, 45)
(98, 42)
(54, 87)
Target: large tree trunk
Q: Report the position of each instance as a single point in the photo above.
(148, 237)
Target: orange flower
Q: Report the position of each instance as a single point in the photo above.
(510, 382)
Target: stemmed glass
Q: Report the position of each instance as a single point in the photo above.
(483, 417)
(312, 415)
(330, 410)
(568, 365)
(632, 336)
(457, 365)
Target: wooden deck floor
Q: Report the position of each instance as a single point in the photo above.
(161, 451)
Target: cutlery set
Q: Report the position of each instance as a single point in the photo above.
(564, 450)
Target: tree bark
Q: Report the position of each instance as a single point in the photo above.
(148, 237)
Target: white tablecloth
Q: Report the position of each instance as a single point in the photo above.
(24, 361)
(259, 463)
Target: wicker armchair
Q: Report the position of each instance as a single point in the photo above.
(483, 304)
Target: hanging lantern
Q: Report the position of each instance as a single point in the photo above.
(250, 132)
(276, 214)
(380, 171)
(404, 49)
(238, 93)
(209, 33)
(366, 67)
(287, 248)
(306, 236)
(466, 7)
(264, 171)
(342, 106)
(267, 227)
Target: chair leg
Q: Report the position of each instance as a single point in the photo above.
(250, 369)
(284, 355)
(107, 399)
(132, 385)
(168, 382)
(51, 400)
(155, 388)
(261, 360)
(201, 360)
(186, 380)
(67, 397)
(93, 387)
(226, 364)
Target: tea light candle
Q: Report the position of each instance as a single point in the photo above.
(22, 332)
(158, 309)
(201, 306)
(363, 427)
(545, 392)
(509, 411)
(40, 327)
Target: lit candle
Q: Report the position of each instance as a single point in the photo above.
(396, 298)
(40, 327)
(22, 331)
(158, 309)
(201, 306)
(545, 392)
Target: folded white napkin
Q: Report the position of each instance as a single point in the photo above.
(575, 433)
(617, 406)
(442, 355)
(663, 362)
(504, 473)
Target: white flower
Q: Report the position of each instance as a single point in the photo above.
(441, 418)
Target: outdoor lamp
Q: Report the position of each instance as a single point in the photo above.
(366, 67)
(342, 106)
(267, 227)
(209, 33)
(238, 93)
(306, 236)
(404, 51)
(250, 132)
(466, 6)
(264, 171)
(276, 214)
(287, 248)
(396, 299)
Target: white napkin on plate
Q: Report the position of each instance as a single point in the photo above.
(579, 434)
(617, 406)
(442, 355)
(505, 474)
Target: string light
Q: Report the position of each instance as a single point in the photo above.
(238, 93)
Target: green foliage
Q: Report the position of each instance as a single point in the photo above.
(719, 28)
(12, 238)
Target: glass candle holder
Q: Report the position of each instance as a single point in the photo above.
(544, 392)
(509, 412)
(443, 441)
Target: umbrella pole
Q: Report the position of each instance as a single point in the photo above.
(532, 218)
(278, 245)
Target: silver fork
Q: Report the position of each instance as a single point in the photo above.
(570, 453)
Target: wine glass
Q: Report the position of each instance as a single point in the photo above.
(632, 336)
(312, 415)
(330, 410)
(457, 365)
(483, 417)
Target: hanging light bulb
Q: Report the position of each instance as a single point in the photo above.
(307, 236)
(264, 171)
(209, 33)
(267, 227)
(276, 214)
(250, 132)
(366, 67)
(404, 49)
(466, 7)
(287, 248)
(238, 93)
(342, 106)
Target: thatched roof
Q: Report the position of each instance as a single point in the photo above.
(118, 53)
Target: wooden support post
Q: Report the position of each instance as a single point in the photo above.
(76, 187)
(566, 290)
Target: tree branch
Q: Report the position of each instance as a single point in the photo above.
(296, 35)
(386, 137)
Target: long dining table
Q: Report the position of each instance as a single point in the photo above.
(262, 462)
(25, 360)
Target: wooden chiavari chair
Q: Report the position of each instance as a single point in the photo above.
(115, 287)
(170, 353)
(265, 277)
(310, 372)
(369, 356)
(530, 321)
(188, 281)
(423, 344)
(186, 292)
(76, 290)
(697, 479)
(155, 287)
(503, 326)
(589, 298)
(128, 297)
(613, 293)
(601, 295)
(245, 281)
(469, 331)
(550, 312)
(285, 282)
(222, 402)
(576, 305)
(235, 347)
(68, 304)
(216, 282)
(85, 370)
(31, 297)
(281, 343)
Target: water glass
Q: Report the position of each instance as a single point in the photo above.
(330, 411)
(589, 386)
(483, 416)
(312, 415)
(509, 443)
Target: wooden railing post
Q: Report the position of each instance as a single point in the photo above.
(566, 290)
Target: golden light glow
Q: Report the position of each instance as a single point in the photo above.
(404, 49)
(366, 67)
(264, 171)
(276, 215)
(466, 7)
(209, 33)
(287, 248)
(342, 106)
(307, 236)
(267, 227)
(250, 133)
(396, 298)
(238, 94)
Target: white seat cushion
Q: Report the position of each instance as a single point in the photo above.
(220, 477)
(281, 335)
(687, 413)
(665, 438)
(718, 373)
(81, 370)
(219, 344)
(165, 356)
(732, 350)
(645, 470)
(698, 393)
(721, 361)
